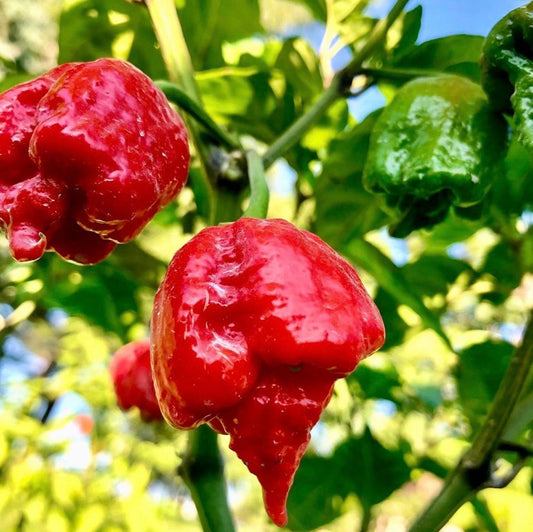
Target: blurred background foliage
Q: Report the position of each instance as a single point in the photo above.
(70, 460)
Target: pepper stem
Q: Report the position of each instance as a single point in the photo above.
(202, 470)
(260, 195)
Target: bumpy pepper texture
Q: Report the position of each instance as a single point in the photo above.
(507, 70)
(131, 373)
(436, 145)
(252, 324)
(89, 152)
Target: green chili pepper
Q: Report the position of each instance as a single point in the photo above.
(507, 70)
(436, 145)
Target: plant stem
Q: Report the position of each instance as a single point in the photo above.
(260, 195)
(180, 70)
(340, 83)
(400, 73)
(173, 46)
(297, 130)
(473, 470)
(202, 470)
(366, 519)
(185, 102)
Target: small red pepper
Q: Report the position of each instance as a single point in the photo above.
(131, 373)
(89, 152)
(252, 324)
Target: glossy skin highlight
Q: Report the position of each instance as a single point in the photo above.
(89, 152)
(131, 374)
(252, 324)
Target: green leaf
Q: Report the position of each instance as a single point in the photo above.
(456, 53)
(351, 24)
(343, 207)
(501, 263)
(512, 191)
(392, 279)
(327, 127)
(412, 22)
(395, 326)
(451, 231)
(322, 484)
(90, 30)
(300, 64)
(207, 24)
(479, 373)
(85, 32)
(317, 7)
(433, 274)
(312, 502)
(256, 103)
(100, 294)
(376, 382)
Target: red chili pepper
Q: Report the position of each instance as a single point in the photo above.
(252, 324)
(132, 379)
(89, 152)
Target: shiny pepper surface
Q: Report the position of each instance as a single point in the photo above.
(131, 373)
(507, 70)
(252, 324)
(436, 145)
(89, 152)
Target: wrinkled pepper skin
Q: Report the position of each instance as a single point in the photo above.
(507, 70)
(252, 324)
(131, 373)
(436, 145)
(89, 152)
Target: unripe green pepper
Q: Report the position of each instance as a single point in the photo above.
(507, 70)
(436, 145)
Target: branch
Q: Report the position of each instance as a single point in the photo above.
(473, 472)
(202, 471)
(512, 447)
(340, 84)
(179, 66)
(386, 73)
(189, 105)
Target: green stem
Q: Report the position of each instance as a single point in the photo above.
(185, 102)
(297, 130)
(173, 46)
(260, 195)
(473, 470)
(202, 471)
(340, 83)
(488, 438)
(455, 492)
(180, 70)
(400, 73)
(366, 519)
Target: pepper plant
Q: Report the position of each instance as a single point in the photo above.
(200, 178)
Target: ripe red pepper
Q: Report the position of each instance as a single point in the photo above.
(252, 324)
(89, 152)
(131, 373)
